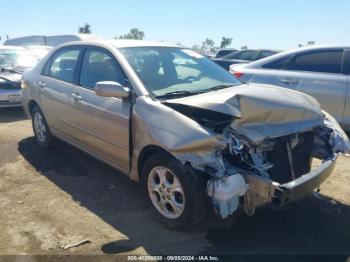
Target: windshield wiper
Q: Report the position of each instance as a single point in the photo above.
(178, 93)
(11, 70)
(218, 87)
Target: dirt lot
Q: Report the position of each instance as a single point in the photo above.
(52, 198)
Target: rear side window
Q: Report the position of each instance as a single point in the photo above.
(277, 64)
(99, 65)
(329, 61)
(62, 65)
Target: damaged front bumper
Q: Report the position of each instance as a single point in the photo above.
(305, 184)
(263, 191)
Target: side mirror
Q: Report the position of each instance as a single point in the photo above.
(111, 89)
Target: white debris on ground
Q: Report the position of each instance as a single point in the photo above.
(82, 242)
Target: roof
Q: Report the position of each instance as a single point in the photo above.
(38, 46)
(121, 43)
(260, 49)
(227, 49)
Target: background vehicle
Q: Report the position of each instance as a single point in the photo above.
(163, 115)
(13, 61)
(322, 72)
(53, 40)
(224, 52)
(39, 51)
(243, 57)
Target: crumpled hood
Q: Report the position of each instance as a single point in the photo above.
(260, 111)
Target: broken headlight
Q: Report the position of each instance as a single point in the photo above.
(338, 139)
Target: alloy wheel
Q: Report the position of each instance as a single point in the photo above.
(166, 192)
(40, 127)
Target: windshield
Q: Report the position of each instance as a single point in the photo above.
(168, 72)
(15, 58)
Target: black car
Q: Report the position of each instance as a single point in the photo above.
(224, 52)
(243, 56)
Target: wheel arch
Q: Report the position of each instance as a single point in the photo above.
(32, 103)
(146, 153)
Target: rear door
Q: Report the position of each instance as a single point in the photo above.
(318, 73)
(55, 84)
(101, 124)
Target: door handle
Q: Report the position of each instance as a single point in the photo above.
(40, 84)
(76, 97)
(289, 81)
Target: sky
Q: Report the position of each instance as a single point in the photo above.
(278, 24)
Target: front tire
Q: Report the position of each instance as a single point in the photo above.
(41, 130)
(177, 194)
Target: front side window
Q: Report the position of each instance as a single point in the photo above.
(232, 55)
(320, 61)
(175, 71)
(224, 53)
(247, 55)
(264, 54)
(98, 66)
(63, 65)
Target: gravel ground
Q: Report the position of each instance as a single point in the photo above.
(49, 199)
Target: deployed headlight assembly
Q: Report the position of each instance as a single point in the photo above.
(338, 139)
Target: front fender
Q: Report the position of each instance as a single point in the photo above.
(156, 124)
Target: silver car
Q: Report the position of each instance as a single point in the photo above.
(191, 133)
(323, 72)
(13, 61)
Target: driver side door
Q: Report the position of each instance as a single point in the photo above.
(101, 124)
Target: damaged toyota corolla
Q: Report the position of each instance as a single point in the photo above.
(193, 135)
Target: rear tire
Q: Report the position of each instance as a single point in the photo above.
(41, 129)
(177, 194)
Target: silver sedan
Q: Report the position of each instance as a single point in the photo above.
(322, 72)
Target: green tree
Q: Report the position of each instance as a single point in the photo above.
(134, 33)
(225, 42)
(85, 29)
(208, 45)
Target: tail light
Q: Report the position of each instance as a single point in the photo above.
(238, 74)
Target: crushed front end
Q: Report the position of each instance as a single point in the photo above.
(278, 170)
(267, 152)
